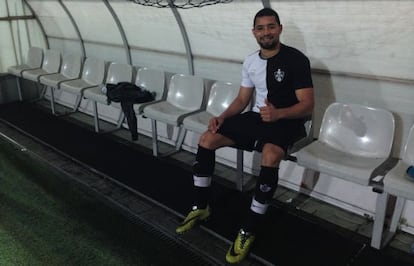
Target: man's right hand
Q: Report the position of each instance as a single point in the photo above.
(214, 124)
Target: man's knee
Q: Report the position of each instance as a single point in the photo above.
(272, 155)
(213, 141)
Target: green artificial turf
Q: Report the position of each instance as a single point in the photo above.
(45, 220)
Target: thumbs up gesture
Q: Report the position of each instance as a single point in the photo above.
(268, 112)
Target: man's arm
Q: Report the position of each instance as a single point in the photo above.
(303, 108)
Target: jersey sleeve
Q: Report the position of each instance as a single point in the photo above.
(246, 81)
(303, 76)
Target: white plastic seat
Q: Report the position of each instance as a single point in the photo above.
(33, 60)
(117, 72)
(220, 97)
(50, 65)
(354, 142)
(185, 96)
(70, 70)
(152, 80)
(396, 183)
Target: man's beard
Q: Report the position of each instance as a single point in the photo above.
(269, 46)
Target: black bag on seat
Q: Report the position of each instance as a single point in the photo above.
(127, 94)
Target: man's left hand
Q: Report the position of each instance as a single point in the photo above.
(269, 113)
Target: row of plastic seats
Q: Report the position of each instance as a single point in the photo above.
(354, 141)
(94, 76)
(64, 73)
(184, 106)
(48, 68)
(181, 107)
(84, 79)
(185, 92)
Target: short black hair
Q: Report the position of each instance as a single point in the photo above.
(266, 12)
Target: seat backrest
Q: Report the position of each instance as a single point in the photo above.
(118, 72)
(152, 80)
(186, 91)
(358, 130)
(51, 61)
(93, 71)
(71, 65)
(408, 153)
(221, 96)
(34, 57)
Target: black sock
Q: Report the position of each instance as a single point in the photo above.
(253, 222)
(201, 196)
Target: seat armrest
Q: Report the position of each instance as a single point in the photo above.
(181, 117)
(377, 177)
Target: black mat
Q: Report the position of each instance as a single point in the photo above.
(286, 239)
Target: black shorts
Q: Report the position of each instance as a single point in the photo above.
(249, 132)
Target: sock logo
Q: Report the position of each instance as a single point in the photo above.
(265, 188)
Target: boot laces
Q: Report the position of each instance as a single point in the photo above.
(243, 238)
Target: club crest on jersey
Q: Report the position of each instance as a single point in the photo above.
(279, 75)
